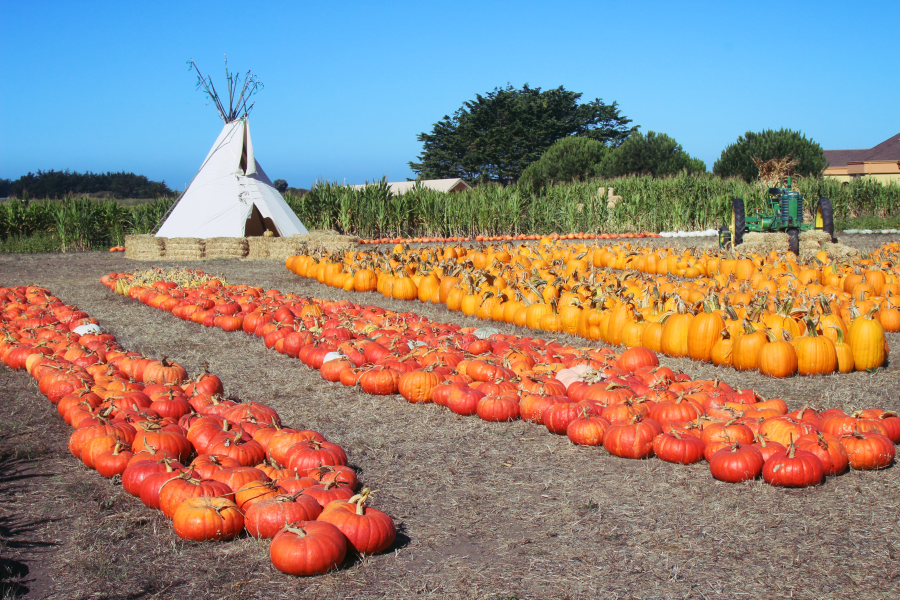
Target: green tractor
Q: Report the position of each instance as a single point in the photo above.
(785, 214)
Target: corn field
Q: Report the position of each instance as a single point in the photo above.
(681, 202)
(78, 224)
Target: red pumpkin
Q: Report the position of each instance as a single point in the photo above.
(867, 451)
(369, 530)
(498, 409)
(632, 439)
(308, 548)
(793, 468)
(176, 490)
(314, 453)
(205, 518)
(740, 462)
(635, 358)
(587, 430)
(828, 448)
(264, 519)
(673, 447)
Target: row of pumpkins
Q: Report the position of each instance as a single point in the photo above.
(625, 402)
(214, 467)
(771, 315)
(510, 238)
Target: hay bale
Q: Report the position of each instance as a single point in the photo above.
(839, 251)
(819, 237)
(145, 247)
(283, 247)
(258, 246)
(226, 247)
(185, 248)
(755, 237)
(329, 242)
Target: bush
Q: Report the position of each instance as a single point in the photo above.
(571, 158)
(654, 154)
(737, 159)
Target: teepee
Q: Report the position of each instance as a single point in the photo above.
(231, 196)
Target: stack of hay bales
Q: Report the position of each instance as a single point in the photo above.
(283, 247)
(226, 247)
(145, 247)
(763, 243)
(258, 246)
(185, 248)
(811, 243)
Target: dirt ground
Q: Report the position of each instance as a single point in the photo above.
(499, 511)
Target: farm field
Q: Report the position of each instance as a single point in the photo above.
(484, 510)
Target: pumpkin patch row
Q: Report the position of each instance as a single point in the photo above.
(510, 238)
(625, 402)
(214, 466)
(772, 315)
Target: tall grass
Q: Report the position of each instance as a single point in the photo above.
(681, 202)
(76, 224)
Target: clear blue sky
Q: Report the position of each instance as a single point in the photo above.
(103, 86)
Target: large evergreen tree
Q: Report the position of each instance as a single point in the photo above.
(497, 135)
(737, 158)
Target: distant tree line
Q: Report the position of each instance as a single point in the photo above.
(57, 184)
(540, 137)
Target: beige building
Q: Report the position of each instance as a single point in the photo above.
(881, 163)
(440, 185)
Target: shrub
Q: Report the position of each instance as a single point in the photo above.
(571, 158)
(737, 159)
(654, 154)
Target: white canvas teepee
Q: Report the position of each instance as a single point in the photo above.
(231, 196)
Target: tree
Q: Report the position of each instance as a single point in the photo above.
(654, 154)
(496, 136)
(568, 159)
(737, 158)
(56, 184)
(5, 185)
(281, 185)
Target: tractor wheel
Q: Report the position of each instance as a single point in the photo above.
(825, 217)
(737, 222)
(794, 241)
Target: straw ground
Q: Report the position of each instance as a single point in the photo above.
(485, 510)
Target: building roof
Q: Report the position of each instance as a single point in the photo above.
(440, 185)
(886, 150)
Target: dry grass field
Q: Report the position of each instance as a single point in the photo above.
(485, 511)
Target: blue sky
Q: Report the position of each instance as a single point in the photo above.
(348, 85)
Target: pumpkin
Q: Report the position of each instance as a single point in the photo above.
(704, 331)
(828, 448)
(633, 438)
(178, 489)
(418, 386)
(368, 530)
(587, 430)
(163, 371)
(868, 451)
(737, 463)
(308, 548)
(264, 519)
(793, 468)
(204, 518)
(498, 409)
(866, 339)
(777, 358)
(676, 448)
